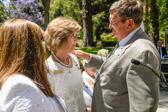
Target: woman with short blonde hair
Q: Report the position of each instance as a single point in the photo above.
(63, 67)
(57, 32)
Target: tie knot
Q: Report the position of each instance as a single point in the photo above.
(117, 45)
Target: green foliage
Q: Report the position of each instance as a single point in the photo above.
(108, 37)
(163, 12)
(80, 43)
(80, 34)
(66, 8)
(1, 24)
(3, 12)
(1, 9)
(97, 18)
(147, 23)
(94, 32)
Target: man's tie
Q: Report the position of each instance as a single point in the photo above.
(115, 48)
(159, 50)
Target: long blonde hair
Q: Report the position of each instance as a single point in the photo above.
(21, 51)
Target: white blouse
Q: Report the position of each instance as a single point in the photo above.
(67, 83)
(20, 94)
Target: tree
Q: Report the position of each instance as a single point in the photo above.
(87, 23)
(163, 15)
(157, 20)
(146, 15)
(46, 5)
(100, 13)
(26, 9)
(154, 22)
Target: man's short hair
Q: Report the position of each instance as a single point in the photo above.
(129, 9)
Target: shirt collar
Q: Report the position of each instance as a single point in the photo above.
(127, 38)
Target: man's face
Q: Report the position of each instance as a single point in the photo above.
(118, 27)
(159, 43)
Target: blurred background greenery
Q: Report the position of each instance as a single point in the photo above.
(92, 15)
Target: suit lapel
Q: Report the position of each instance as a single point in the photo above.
(116, 46)
(122, 50)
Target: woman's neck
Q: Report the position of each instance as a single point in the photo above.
(62, 57)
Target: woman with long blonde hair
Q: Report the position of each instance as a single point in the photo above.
(23, 80)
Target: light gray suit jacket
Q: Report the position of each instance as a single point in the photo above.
(122, 86)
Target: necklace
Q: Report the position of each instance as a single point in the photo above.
(66, 65)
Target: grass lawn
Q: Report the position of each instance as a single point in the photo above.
(92, 50)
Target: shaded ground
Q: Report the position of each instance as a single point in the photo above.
(163, 102)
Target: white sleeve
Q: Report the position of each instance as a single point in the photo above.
(28, 101)
(25, 100)
(20, 94)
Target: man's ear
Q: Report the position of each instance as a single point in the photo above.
(130, 24)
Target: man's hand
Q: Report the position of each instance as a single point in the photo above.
(88, 109)
(81, 54)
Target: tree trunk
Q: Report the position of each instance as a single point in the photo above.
(146, 15)
(97, 33)
(87, 23)
(46, 4)
(146, 9)
(154, 33)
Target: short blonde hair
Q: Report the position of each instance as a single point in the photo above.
(58, 30)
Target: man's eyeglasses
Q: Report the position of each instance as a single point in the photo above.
(113, 23)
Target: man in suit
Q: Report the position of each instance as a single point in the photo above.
(162, 50)
(120, 85)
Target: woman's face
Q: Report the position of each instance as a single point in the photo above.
(71, 42)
